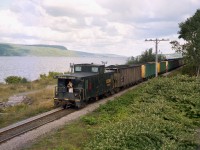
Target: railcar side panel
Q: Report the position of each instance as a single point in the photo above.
(163, 66)
(172, 64)
(117, 79)
(150, 70)
(137, 76)
(98, 85)
(125, 75)
(105, 83)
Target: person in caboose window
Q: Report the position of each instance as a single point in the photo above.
(70, 87)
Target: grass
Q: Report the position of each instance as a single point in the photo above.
(71, 137)
(40, 102)
(161, 114)
(7, 90)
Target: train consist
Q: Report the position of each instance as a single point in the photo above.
(91, 81)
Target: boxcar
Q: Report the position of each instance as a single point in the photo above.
(125, 75)
(88, 81)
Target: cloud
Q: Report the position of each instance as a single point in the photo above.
(73, 8)
(101, 26)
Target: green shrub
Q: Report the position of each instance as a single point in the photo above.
(53, 74)
(24, 80)
(43, 76)
(189, 70)
(50, 75)
(89, 120)
(15, 80)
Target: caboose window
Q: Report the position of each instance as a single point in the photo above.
(78, 68)
(95, 69)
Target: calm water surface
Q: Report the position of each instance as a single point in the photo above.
(32, 67)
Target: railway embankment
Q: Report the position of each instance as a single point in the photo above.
(163, 113)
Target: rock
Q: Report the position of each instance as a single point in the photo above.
(2, 105)
(16, 100)
(28, 101)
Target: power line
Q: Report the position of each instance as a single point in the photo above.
(156, 46)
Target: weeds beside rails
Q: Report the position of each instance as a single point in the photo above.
(161, 114)
(40, 101)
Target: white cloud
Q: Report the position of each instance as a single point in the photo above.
(101, 26)
(73, 8)
(9, 23)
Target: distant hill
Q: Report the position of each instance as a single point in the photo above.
(45, 50)
(50, 46)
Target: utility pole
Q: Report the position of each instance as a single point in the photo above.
(156, 46)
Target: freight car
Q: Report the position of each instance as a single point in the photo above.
(125, 75)
(163, 67)
(91, 81)
(174, 63)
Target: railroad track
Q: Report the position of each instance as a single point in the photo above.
(32, 123)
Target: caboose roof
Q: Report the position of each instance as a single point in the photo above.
(76, 75)
(94, 65)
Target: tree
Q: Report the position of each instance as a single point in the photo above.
(190, 32)
(15, 80)
(146, 56)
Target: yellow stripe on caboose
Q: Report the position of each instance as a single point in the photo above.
(143, 71)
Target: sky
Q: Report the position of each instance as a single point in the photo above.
(97, 26)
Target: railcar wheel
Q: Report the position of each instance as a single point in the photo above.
(64, 106)
(112, 92)
(107, 94)
(56, 104)
(117, 90)
(80, 105)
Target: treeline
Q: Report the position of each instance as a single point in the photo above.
(146, 56)
(18, 79)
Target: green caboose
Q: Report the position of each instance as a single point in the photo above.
(89, 81)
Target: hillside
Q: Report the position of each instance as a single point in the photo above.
(44, 50)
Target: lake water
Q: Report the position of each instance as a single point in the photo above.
(32, 67)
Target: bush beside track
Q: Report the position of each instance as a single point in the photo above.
(160, 114)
